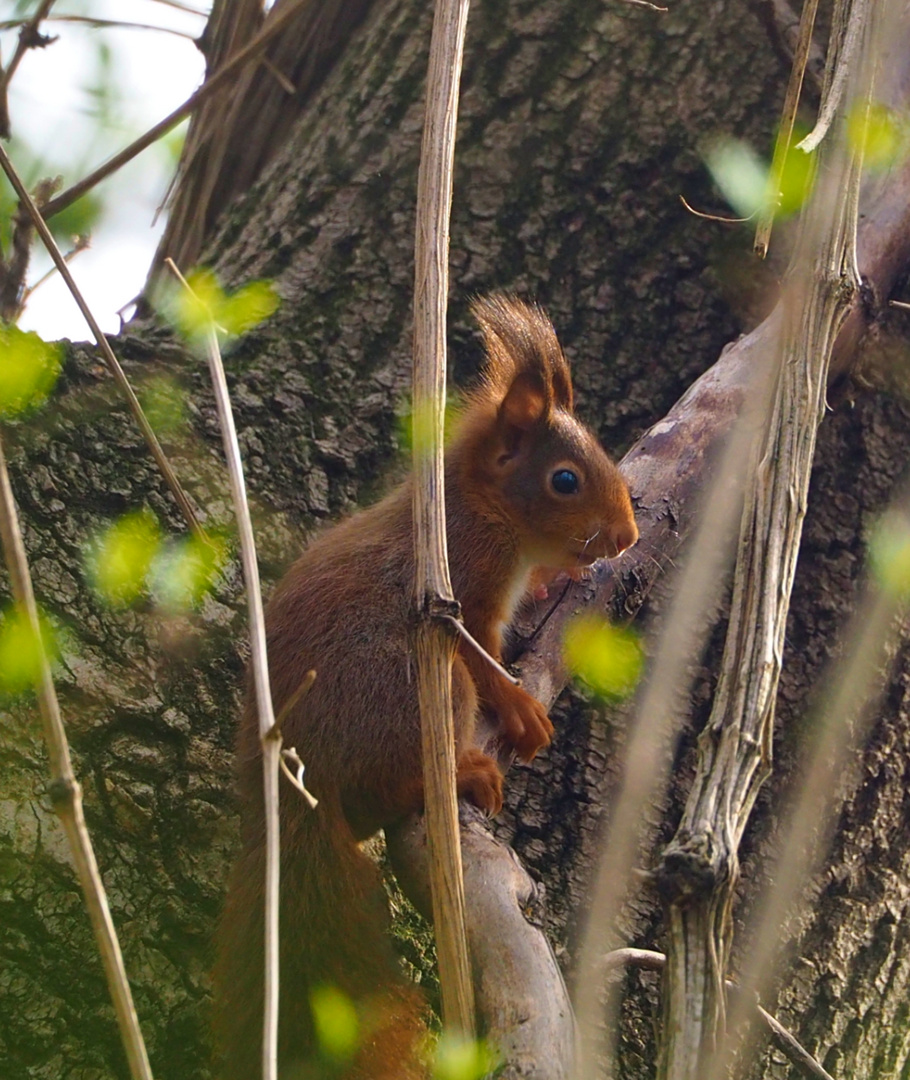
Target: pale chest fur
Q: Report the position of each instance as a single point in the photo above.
(518, 588)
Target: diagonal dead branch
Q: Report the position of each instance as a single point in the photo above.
(251, 51)
(112, 362)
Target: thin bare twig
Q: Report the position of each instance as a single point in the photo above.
(783, 1039)
(270, 733)
(294, 700)
(715, 217)
(102, 24)
(459, 627)
(276, 22)
(188, 8)
(433, 588)
(785, 131)
(283, 81)
(28, 39)
(65, 791)
(83, 243)
(112, 362)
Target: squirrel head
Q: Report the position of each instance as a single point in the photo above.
(524, 458)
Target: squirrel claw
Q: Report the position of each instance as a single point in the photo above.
(524, 721)
(479, 780)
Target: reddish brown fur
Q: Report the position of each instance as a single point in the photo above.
(345, 609)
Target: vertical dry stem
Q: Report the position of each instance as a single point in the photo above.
(788, 115)
(269, 731)
(66, 794)
(433, 589)
(700, 866)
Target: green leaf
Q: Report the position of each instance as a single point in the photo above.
(193, 311)
(458, 1058)
(120, 559)
(889, 554)
(21, 648)
(609, 659)
(29, 368)
(248, 307)
(77, 219)
(417, 428)
(740, 174)
(880, 134)
(336, 1022)
(797, 180)
(184, 571)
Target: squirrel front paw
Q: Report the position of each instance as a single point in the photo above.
(479, 780)
(523, 720)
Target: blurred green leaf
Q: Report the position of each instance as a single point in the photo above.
(336, 1023)
(29, 368)
(609, 659)
(20, 650)
(414, 428)
(194, 310)
(745, 179)
(740, 174)
(172, 143)
(889, 554)
(881, 135)
(797, 180)
(182, 572)
(119, 561)
(458, 1058)
(248, 307)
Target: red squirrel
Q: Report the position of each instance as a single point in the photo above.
(526, 486)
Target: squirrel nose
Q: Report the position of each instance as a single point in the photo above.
(622, 536)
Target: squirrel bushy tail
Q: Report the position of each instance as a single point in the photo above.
(334, 932)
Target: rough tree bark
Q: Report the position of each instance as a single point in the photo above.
(581, 124)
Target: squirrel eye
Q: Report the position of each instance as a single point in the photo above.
(565, 482)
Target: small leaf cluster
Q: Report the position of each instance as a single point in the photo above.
(28, 373)
(133, 558)
(22, 650)
(204, 304)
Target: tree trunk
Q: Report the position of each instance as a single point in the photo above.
(580, 126)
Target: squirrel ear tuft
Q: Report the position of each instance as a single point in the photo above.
(520, 339)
